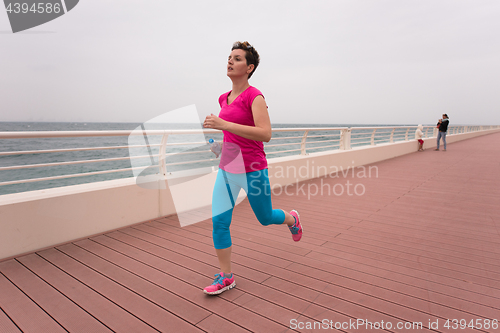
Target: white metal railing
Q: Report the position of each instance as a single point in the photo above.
(285, 141)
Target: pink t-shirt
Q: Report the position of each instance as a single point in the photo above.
(240, 112)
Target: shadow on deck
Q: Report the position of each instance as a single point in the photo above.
(417, 241)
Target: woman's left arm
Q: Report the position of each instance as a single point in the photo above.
(261, 131)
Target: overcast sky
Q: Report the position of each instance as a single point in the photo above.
(329, 62)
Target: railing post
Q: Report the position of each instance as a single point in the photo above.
(406, 135)
(391, 139)
(435, 132)
(303, 144)
(372, 141)
(345, 139)
(163, 151)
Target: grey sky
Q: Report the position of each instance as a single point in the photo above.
(331, 62)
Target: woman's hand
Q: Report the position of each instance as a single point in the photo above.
(260, 132)
(214, 122)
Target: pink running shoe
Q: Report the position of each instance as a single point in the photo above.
(296, 229)
(220, 284)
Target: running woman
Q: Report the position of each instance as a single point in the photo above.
(245, 123)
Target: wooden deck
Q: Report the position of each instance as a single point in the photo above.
(422, 244)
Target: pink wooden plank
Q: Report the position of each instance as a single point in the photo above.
(241, 239)
(415, 222)
(242, 284)
(412, 246)
(432, 303)
(6, 324)
(143, 310)
(384, 293)
(446, 268)
(194, 232)
(427, 282)
(274, 233)
(464, 240)
(58, 306)
(102, 309)
(179, 306)
(27, 315)
(279, 298)
(423, 291)
(260, 256)
(414, 255)
(387, 270)
(215, 323)
(422, 242)
(256, 307)
(287, 275)
(154, 268)
(188, 249)
(169, 276)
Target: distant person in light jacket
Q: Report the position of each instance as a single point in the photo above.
(443, 128)
(418, 136)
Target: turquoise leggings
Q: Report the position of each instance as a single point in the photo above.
(226, 190)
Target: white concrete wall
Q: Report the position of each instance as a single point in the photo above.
(35, 220)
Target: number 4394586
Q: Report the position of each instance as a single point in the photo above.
(37, 8)
(477, 324)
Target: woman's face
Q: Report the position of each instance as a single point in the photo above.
(237, 64)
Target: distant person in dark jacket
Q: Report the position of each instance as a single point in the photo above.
(443, 129)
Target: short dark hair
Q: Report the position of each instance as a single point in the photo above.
(251, 54)
(444, 114)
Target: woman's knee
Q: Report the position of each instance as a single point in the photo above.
(276, 217)
(265, 220)
(222, 221)
(220, 232)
